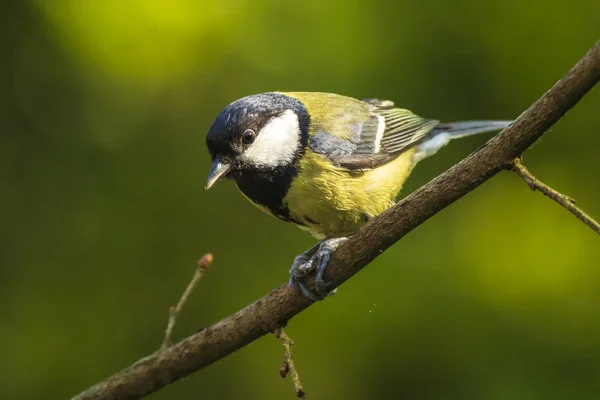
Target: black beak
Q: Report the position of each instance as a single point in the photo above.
(218, 169)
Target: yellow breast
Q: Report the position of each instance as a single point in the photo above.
(335, 202)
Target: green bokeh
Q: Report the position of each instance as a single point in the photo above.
(104, 108)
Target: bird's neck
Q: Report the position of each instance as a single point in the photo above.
(268, 188)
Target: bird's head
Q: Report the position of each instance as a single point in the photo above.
(258, 133)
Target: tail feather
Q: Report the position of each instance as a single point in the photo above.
(466, 128)
(445, 132)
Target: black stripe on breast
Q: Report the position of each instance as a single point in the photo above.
(268, 188)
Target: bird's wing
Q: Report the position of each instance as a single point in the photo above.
(386, 133)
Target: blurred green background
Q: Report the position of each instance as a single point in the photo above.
(104, 108)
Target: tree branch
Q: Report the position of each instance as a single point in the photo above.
(565, 201)
(277, 307)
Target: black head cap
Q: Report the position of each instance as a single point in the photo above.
(251, 112)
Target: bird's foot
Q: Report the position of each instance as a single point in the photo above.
(314, 259)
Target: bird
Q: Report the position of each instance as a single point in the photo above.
(325, 162)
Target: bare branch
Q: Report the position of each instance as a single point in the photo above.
(203, 265)
(288, 362)
(565, 201)
(281, 304)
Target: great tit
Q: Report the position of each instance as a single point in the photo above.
(325, 162)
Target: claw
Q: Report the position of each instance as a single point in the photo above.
(315, 258)
(299, 286)
(321, 285)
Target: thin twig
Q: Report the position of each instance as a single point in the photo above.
(288, 362)
(280, 305)
(203, 265)
(565, 201)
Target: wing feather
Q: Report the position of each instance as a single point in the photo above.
(386, 133)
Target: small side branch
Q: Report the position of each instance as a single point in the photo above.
(203, 265)
(287, 366)
(565, 201)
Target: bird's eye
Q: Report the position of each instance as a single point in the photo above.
(248, 136)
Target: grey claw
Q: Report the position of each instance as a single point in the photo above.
(321, 285)
(324, 254)
(302, 266)
(300, 287)
(315, 258)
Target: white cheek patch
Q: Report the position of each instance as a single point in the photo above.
(276, 144)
